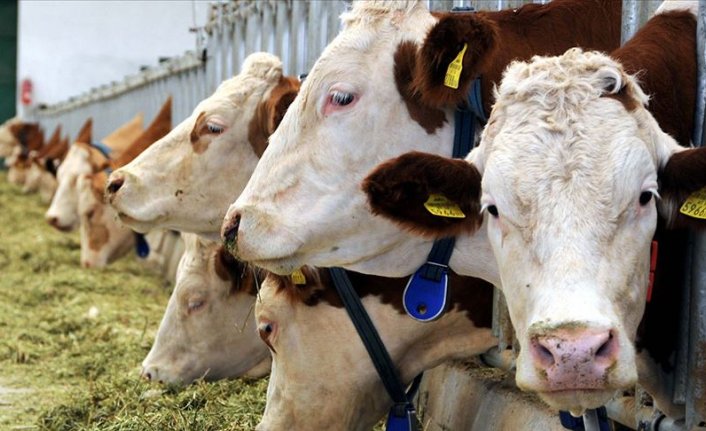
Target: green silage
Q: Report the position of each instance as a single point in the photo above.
(72, 339)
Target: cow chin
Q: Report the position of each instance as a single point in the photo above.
(577, 401)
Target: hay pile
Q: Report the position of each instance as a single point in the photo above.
(71, 340)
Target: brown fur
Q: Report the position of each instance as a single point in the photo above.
(121, 138)
(399, 187)
(507, 35)
(160, 126)
(684, 174)
(405, 68)
(662, 54)
(53, 142)
(269, 113)
(85, 135)
(240, 274)
(472, 295)
(98, 235)
(196, 142)
(29, 135)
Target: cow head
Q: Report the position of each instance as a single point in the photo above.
(208, 329)
(318, 355)
(62, 212)
(7, 139)
(574, 171)
(180, 182)
(376, 91)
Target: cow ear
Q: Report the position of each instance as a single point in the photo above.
(681, 180)
(430, 195)
(467, 35)
(283, 96)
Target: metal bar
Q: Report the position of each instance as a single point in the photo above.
(590, 420)
(631, 18)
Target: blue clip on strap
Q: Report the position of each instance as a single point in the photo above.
(142, 248)
(424, 297)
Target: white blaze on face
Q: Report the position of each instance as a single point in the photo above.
(63, 211)
(103, 238)
(186, 180)
(304, 195)
(318, 355)
(569, 162)
(208, 328)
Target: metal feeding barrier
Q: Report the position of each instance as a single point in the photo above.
(297, 32)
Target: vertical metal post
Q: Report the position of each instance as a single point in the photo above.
(631, 20)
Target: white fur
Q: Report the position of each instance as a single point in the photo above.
(171, 186)
(219, 339)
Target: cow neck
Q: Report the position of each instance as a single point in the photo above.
(402, 416)
(426, 294)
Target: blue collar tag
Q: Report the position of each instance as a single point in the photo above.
(424, 298)
(401, 422)
(141, 247)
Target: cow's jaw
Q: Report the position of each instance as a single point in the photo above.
(304, 197)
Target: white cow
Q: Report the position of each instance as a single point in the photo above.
(187, 179)
(322, 377)
(208, 329)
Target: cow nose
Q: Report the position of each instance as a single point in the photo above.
(53, 221)
(230, 231)
(578, 359)
(114, 184)
(150, 374)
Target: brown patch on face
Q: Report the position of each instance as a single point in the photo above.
(29, 135)
(472, 295)
(98, 233)
(269, 113)
(625, 97)
(398, 189)
(405, 64)
(196, 141)
(240, 274)
(98, 183)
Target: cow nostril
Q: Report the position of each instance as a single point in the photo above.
(147, 376)
(607, 349)
(231, 232)
(542, 353)
(53, 221)
(115, 184)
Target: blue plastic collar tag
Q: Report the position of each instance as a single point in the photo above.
(141, 247)
(400, 422)
(424, 299)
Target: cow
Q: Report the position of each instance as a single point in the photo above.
(317, 354)
(377, 92)
(568, 181)
(29, 139)
(103, 237)
(208, 329)
(7, 139)
(187, 180)
(40, 167)
(83, 158)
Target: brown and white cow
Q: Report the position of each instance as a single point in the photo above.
(103, 237)
(187, 180)
(208, 329)
(322, 377)
(40, 175)
(7, 139)
(29, 139)
(83, 159)
(376, 92)
(570, 175)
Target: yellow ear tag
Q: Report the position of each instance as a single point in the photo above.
(695, 205)
(439, 205)
(298, 277)
(453, 73)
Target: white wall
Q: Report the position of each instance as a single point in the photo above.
(67, 47)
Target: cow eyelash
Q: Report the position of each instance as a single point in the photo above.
(340, 98)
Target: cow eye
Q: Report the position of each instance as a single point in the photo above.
(214, 129)
(195, 304)
(493, 210)
(645, 197)
(340, 98)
